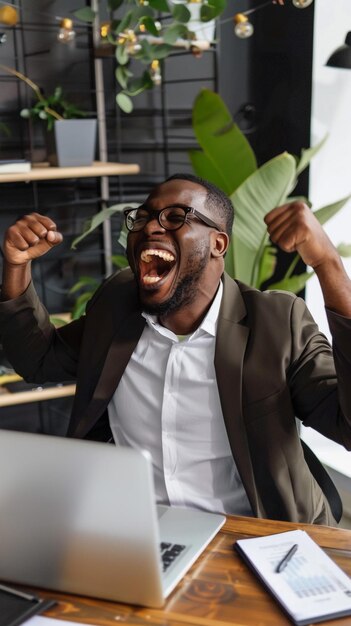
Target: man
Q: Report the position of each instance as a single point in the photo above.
(205, 373)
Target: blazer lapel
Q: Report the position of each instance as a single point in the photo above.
(232, 336)
(118, 355)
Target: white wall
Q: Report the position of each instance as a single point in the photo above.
(330, 172)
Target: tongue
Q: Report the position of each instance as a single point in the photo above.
(153, 273)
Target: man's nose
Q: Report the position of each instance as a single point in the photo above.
(153, 225)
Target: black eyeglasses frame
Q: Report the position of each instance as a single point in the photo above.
(153, 214)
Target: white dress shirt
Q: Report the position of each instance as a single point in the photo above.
(167, 402)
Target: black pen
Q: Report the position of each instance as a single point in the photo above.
(283, 563)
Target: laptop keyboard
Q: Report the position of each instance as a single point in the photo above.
(169, 552)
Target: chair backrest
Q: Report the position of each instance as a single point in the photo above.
(325, 482)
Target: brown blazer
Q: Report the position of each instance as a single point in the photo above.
(271, 361)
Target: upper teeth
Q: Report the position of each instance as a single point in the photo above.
(147, 254)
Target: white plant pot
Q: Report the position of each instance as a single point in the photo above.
(204, 31)
(75, 142)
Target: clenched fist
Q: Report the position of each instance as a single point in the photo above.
(29, 238)
(294, 228)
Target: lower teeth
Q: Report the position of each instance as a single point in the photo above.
(151, 279)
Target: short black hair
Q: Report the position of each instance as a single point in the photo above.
(216, 201)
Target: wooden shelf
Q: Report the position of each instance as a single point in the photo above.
(43, 171)
(37, 395)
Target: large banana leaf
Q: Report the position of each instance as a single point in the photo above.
(267, 264)
(203, 166)
(99, 218)
(261, 192)
(308, 154)
(325, 213)
(344, 249)
(294, 283)
(228, 161)
(227, 158)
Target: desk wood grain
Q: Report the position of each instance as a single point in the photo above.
(218, 590)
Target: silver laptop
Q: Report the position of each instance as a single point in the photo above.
(80, 517)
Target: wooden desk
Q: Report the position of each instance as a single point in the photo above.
(218, 589)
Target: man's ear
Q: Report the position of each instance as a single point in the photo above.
(220, 243)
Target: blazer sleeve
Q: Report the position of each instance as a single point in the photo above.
(35, 348)
(319, 377)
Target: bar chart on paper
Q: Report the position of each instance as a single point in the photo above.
(310, 586)
(303, 581)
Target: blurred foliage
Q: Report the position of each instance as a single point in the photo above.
(147, 31)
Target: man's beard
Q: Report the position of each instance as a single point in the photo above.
(185, 292)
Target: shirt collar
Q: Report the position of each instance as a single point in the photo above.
(208, 324)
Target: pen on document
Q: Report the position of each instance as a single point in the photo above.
(285, 560)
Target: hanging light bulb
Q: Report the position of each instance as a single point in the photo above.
(243, 28)
(66, 32)
(302, 4)
(8, 15)
(155, 72)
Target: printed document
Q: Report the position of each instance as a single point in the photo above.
(306, 582)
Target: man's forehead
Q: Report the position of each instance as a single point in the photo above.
(179, 190)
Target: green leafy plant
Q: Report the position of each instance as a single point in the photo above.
(4, 129)
(86, 286)
(47, 108)
(226, 159)
(148, 31)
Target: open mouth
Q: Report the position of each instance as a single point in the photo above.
(155, 265)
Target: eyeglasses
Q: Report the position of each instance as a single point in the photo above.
(170, 218)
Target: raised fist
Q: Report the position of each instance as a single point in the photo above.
(29, 238)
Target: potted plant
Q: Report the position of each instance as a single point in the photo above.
(70, 136)
(226, 159)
